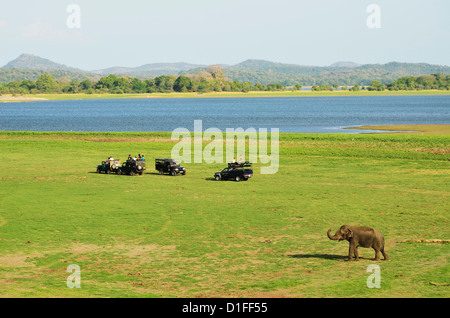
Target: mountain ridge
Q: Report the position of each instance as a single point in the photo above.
(28, 66)
(33, 62)
(153, 68)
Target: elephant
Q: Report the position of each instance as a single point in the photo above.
(363, 236)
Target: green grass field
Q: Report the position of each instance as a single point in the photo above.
(191, 236)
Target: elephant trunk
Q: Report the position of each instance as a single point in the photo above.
(334, 237)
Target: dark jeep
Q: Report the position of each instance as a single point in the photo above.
(132, 167)
(235, 171)
(169, 166)
(109, 166)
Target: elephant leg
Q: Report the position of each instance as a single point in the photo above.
(350, 252)
(377, 254)
(386, 257)
(353, 252)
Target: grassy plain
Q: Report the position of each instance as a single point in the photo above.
(304, 93)
(191, 236)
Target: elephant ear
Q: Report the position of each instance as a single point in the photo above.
(350, 233)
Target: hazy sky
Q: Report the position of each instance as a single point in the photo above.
(134, 32)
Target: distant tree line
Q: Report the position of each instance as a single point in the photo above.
(212, 80)
(12, 74)
(433, 81)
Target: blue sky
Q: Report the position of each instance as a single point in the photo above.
(134, 32)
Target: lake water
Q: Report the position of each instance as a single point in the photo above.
(288, 114)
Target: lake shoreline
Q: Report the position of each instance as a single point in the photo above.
(436, 129)
(46, 97)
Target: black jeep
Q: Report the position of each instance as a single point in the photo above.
(235, 171)
(132, 167)
(169, 166)
(108, 166)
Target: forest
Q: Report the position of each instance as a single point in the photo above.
(211, 80)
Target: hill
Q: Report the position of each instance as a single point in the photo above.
(150, 70)
(33, 62)
(345, 64)
(28, 66)
(269, 72)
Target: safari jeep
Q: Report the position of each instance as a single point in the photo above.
(169, 166)
(132, 167)
(235, 171)
(109, 166)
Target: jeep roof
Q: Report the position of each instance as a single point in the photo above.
(239, 164)
(166, 160)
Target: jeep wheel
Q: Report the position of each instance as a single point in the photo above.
(238, 178)
(174, 173)
(119, 172)
(160, 171)
(108, 171)
(98, 170)
(218, 178)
